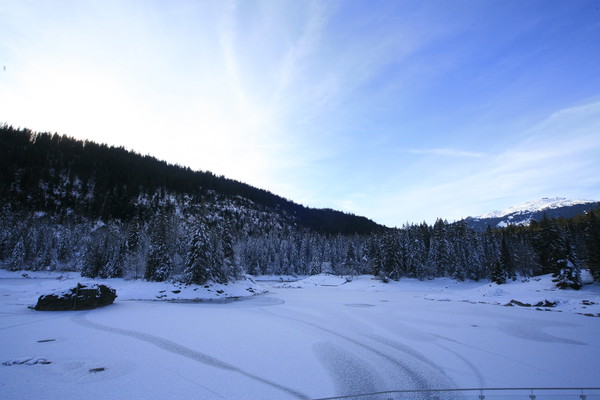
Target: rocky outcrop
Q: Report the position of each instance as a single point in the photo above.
(544, 303)
(82, 297)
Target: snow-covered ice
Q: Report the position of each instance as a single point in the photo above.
(319, 337)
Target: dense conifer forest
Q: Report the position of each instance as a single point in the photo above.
(108, 212)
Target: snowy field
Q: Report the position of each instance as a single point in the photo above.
(318, 337)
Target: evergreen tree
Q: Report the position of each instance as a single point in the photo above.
(550, 246)
(374, 255)
(350, 263)
(441, 258)
(249, 255)
(498, 273)
(315, 268)
(223, 262)
(133, 238)
(416, 255)
(491, 254)
(523, 254)
(199, 258)
(17, 257)
(114, 267)
(94, 259)
(474, 265)
(569, 272)
(592, 241)
(64, 245)
(391, 253)
(158, 264)
(506, 259)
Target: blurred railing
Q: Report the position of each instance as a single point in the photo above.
(581, 393)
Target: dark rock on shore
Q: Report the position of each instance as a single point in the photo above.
(82, 297)
(544, 303)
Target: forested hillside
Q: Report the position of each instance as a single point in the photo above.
(108, 212)
(58, 174)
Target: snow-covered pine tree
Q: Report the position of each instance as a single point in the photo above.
(44, 249)
(199, 258)
(114, 267)
(223, 261)
(133, 234)
(416, 254)
(459, 238)
(231, 256)
(569, 273)
(491, 254)
(6, 222)
(284, 256)
(505, 268)
(550, 245)
(350, 264)
(374, 254)
(392, 257)
(17, 257)
(474, 267)
(158, 264)
(94, 259)
(592, 241)
(64, 245)
(498, 273)
(249, 256)
(441, 249)
(523, 254)
(304, 254)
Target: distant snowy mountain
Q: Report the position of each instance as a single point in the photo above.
(530, 207)
(524, 213)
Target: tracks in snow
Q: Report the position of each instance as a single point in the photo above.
(405, 367)
(175, 348)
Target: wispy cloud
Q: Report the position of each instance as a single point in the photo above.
(299, 52)
(556, 157)
(448, 152)
(384, 109)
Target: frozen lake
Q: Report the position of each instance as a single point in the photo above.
(291, 343)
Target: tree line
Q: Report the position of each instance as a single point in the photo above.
(67, 205)
(195, 247)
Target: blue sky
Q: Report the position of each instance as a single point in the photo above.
(401, 111)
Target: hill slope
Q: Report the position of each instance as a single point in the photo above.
(58, 174)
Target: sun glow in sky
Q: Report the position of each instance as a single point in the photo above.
(400, 111)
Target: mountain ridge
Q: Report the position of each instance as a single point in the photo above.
(522, 214)
(534, 206)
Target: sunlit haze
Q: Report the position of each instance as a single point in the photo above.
(401, 111)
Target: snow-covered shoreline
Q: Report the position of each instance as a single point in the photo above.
(539, 293)
(41, 282)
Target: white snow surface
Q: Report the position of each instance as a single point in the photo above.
(317, 337)
(533, 206)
